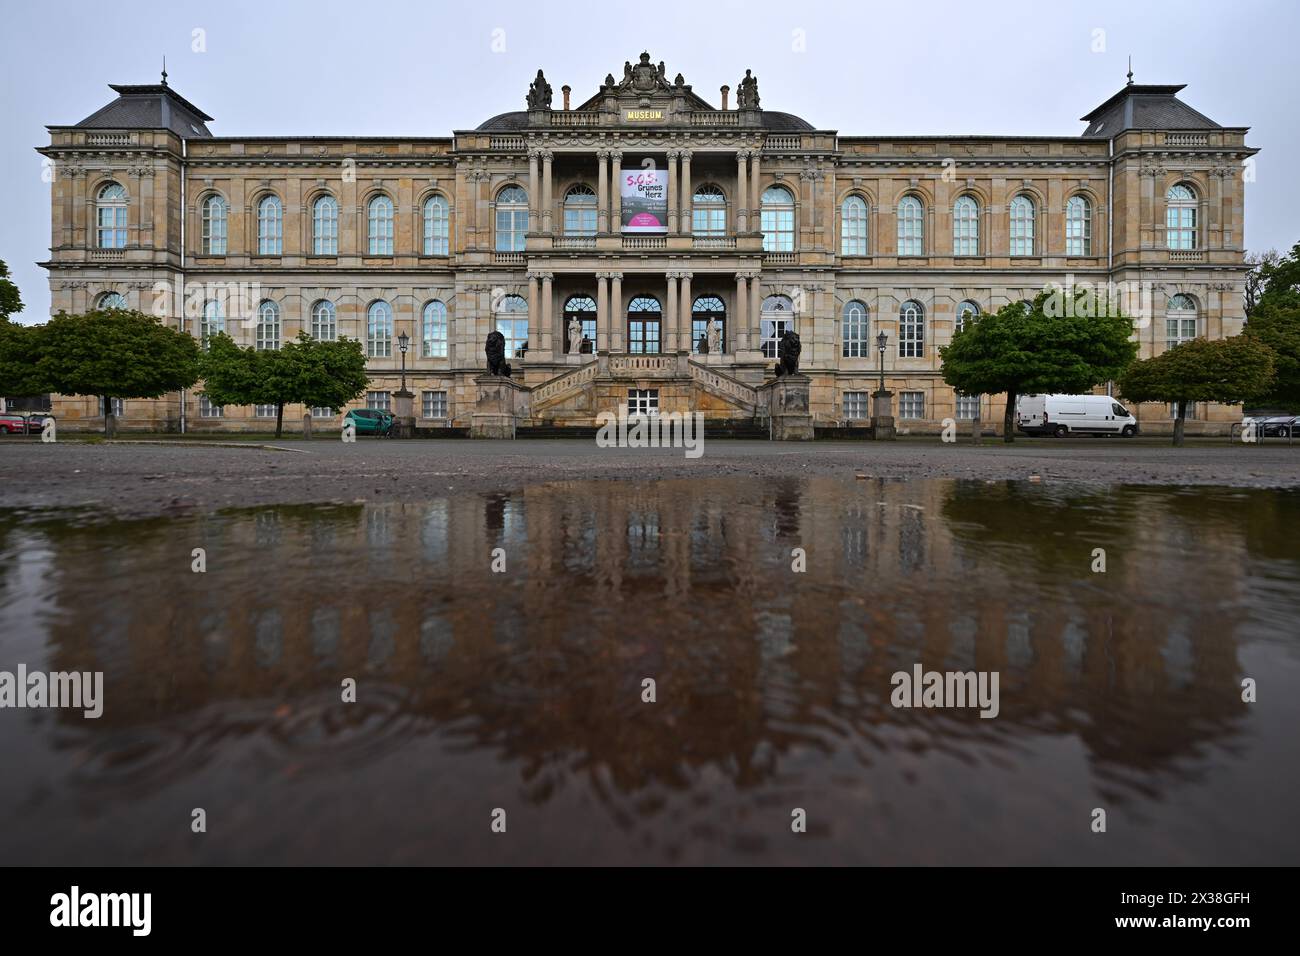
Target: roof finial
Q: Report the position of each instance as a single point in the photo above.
(164, 76)
(1130, 70)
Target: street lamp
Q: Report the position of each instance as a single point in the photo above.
(403, 343)
(882, 342)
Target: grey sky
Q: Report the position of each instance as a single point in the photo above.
(411, 68)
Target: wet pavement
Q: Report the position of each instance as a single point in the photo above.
(522, 689)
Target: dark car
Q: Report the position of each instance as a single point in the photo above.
(1278, 426)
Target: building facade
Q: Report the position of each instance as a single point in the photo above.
(612, 241)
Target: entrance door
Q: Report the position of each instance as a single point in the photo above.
(644, 318)
(582, 308)
(708, 307)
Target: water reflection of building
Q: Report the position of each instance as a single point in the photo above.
(690, 583)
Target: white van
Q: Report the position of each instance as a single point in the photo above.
(1061, 415)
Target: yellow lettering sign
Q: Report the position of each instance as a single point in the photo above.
(642, 116)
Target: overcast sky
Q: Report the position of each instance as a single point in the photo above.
(426, 68)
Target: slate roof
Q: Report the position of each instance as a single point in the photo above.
(155, 106)
(1144, 106)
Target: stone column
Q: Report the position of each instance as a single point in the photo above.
(755, 186)
(742, 191)
(533, 181)
(684, 207)
(672, 191)
(534, 311)
(684, 312)
(616, 192)
(547, 348)
(739, 322)
(602, 312)
(602, 191)
(755, 310)
(547, 157)
(617, 320)
(669, 336)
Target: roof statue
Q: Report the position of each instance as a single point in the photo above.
(747, 92)
(539, 93)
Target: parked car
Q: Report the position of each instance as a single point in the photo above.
(21, 423)
(1061, 415)
(370, 421)
(1277, 426)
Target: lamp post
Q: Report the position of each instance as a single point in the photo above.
(882, 342)
(404, 342)
(405, 416)
(882, 412)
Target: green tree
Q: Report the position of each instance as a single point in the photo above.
(11, 302)
(1227, 370)
(305, 371)
(115, 354)
(1275, 281)
(1064, 342)
(1278, 327)
(19, 374)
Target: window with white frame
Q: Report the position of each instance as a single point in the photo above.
(434, 329)
(111, 300)
(1022, 226)
(911, 229)
(208, 410)
(380, 400)
(776, 219)
(580, 211)
(511, 219)
(857, 405)
(965, 227)
(118, 406)
(324, 321)
(643, 401)
(381, 226)
(968, 407)
(263, 411)
(322, 411)
(966, 311)
(709, 212)
(911, 405)
(267, 335)
(644, 318)
(110, 217)
(212, 226)
(212, 322)
(437, 226)
(1190, 414)
(1078, 227)
(270, 226)
(857, 341)
(512, 322)
(379, 330)
(776, 316)
(1180, 320)
(1180, 217)
(853, 226)
(434, 404)
(911, 330)
(582, 308)
(325, 226)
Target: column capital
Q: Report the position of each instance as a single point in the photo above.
(603, 154)
(547, 155)
(534, 153)
(616, 275)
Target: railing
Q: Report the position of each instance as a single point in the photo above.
(107, 255)
(714, 118)
(1185, 255)
(573, 118)
(512, 143)
(782, 142)
(508, 258)
(1186, 139)
(780, 258)
(715, 242)
(623, 364)
(109, 139)
(645, 242)
(574, 242)
(724, 384)
(565, 382)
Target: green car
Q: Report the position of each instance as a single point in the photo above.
(370, 421)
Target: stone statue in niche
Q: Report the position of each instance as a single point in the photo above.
(714, 332)
(496, 354)
(787, 353)
(575, 336)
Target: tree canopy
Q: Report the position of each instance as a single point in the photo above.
(11, 303)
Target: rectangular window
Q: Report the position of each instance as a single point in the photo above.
(118, 406)
(512, 227)
(208, 410)
(643, 336)
(1189, 416)
(856, 405)
(968, 407)
(772, 329)
(700, 330)
(911, 335)
(377, 400)
(263, 411)
(322, 411)
(911, 405)
(1179, 330)
(516, 335)
(643, 401)
(709, 220)
(856, 344)
(777, 223)
(112, 227)
(435, 405)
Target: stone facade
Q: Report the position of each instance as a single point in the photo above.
(833, 239)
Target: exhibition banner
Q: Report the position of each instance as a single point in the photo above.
(645, 200)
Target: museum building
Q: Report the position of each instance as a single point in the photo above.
(643, 247)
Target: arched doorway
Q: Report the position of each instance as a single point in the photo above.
(777, 316)
(583, 309)
(704, 308)
(644, 318)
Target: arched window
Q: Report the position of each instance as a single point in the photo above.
(1078, 227)
(1180, 217)
(379, 329)
(270, 226)
(110, 217)
(381, 226)
(965, 227)
(580, 211)
(853, 226)
(775, 316)
(857, 342)
(267, 335)
(1180, 320)
(324, 324)
(911, 330)
(325, 226)
(111, 300)
(911, 229)
(776, 219)
(583, 309)
(437, 226)
(435, 330)
(643, 318)
(709, 212)
(1022, 226)
(512, 319)
(512, 219)
(966, 311)
(212, 322)
(212, 228)
(704, 308)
